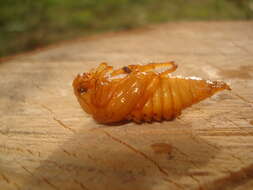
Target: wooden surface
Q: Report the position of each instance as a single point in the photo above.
(48, 142)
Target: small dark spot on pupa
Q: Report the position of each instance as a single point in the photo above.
(251, 122)
(160, 148)
(82, 90)
(127, 69)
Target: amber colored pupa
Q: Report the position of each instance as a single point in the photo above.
(139, 92)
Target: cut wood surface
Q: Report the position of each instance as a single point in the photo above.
(48, 142)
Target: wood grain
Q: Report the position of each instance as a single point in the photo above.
(48, 142)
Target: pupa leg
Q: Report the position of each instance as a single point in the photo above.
(102, 69)
(149, 67)
(170, 70)
(153, 66)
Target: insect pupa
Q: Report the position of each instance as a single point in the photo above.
(138, 93)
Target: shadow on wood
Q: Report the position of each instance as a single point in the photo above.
(113, 158)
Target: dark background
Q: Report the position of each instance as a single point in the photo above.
(27, 24)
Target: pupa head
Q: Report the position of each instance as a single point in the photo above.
(82, 85)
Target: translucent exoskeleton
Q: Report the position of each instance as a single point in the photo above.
(139, 93)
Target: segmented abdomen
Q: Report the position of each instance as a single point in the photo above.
(136, 92)
(173, 94)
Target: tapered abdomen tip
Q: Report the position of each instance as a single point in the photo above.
(220, 85)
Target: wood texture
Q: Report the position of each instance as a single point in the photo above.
(48, 142)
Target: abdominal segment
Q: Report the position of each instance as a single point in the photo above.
(172, 95)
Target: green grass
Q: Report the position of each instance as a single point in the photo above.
(26, 24)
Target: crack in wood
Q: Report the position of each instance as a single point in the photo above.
(69, 153)
(29, 151)
(57, 120)
(174, 183)
(42, 178)
(138, 152)
(49, 183)
(17, 149)
(239, 128)
(241, 47)
(47, 108)
(80, 184)
(91, 158)
(28, 171)
(5, 178)
(197, 181)
(64, 125)
(243, 99)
